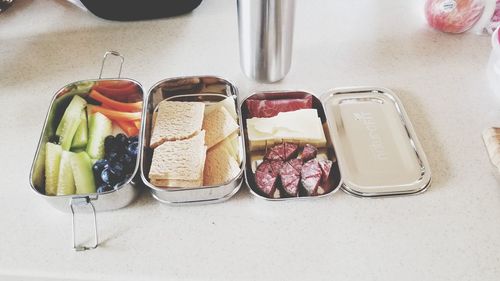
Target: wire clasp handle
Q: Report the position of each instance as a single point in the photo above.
(113, 53)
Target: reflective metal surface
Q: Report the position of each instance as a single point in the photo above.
(115, 199)
(378, 151)
(205, 89)
(335, 179)
(83, 202)
(266, 37)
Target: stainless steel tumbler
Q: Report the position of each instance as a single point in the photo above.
(266, 38)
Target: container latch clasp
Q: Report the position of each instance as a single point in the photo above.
(113, 53)
(82, 202)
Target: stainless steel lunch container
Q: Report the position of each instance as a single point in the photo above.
(370, 139)
(335, 180)
(194, 88)
(266, 38)
(111, 200)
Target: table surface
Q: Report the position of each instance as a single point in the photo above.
(450, 232)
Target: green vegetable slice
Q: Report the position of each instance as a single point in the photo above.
(100, 127)
(82, 172)
(66, 182)
(52, 162)
(81, 136)
(70, 122)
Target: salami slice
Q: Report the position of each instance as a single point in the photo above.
(283, 151)
(311, 177)
(265, 183)
(291, 185)
(290, 177)
(270, 108)
(265, 179)
(326, 167)
(290, 150)
(296, 164)
(276, 167)
(309, 152)
(274, 153)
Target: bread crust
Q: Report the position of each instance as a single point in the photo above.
(176, 121)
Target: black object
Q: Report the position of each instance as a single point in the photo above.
(5, 4)
(130, 10)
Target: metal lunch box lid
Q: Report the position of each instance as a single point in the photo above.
(376, 146)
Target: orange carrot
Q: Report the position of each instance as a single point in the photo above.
(128, 127)
(121, 106)
(114, 114)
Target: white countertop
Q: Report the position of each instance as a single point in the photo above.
(450, 232)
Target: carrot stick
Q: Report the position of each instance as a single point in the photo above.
(114, 114)
(121, 106)
(128, 127)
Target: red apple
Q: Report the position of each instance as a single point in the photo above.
(454, 16)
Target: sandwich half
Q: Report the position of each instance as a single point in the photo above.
(179, 163)
(221, 165)
(218, 124)
(177, 121)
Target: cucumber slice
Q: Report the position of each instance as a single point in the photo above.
(99, 128)
(66, 182)
(81, 136)
(39, 169)
(76, 102)
(52, 160)
(61, 103)
(70, 122)
(82, 172)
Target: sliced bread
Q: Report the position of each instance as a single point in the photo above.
(181, 183)
(177, 121)
(218, 124)
(179, 160)
(220, 166)
(177, 183)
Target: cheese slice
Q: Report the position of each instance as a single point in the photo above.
(300, 126)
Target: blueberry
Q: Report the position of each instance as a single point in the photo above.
(115, 172)
(132, 149)
(133, 139)
(128, 163)
(116, 167)
(106, 176)
(99, 165)
(97, 168)
(121, 148)
(112, 156)
(104, 188)
(109, 142)
(121, 139)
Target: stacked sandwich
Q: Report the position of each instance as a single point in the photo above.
(194, 144)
